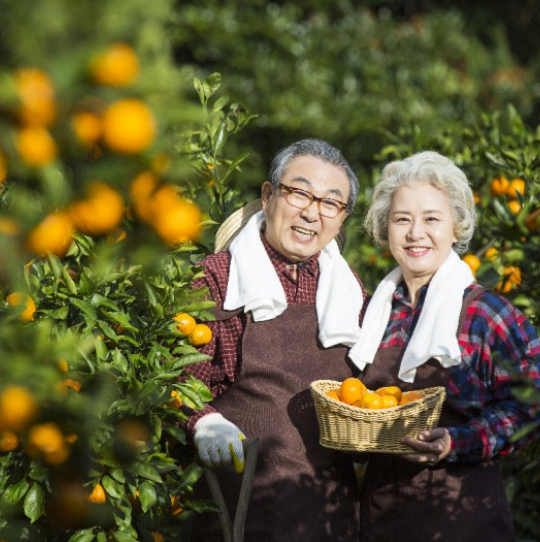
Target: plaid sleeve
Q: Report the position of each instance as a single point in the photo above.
(500, 350)
(218, 372)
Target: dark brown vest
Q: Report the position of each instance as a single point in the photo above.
(302, 491)
(445, 503)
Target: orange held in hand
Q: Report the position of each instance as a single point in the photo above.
(351, 390)
(372, 401)
(333, 394)
(410, 396)
(395, 391)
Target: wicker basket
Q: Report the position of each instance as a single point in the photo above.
(353, 429)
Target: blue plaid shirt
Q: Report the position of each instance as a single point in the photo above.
(499, 346)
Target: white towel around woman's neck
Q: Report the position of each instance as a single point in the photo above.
(254, 285)
(435, 335)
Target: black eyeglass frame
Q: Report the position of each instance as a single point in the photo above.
(292, 189)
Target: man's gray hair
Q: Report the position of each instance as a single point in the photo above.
(319, 149)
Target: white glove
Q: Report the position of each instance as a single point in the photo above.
(219, 442)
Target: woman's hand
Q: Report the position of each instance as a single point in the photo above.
(431, 446)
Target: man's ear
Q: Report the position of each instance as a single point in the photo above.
(266, 192)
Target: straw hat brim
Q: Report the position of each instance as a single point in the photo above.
(234, 223)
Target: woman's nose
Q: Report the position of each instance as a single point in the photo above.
(416, 230)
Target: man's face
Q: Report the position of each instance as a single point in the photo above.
(298, 234)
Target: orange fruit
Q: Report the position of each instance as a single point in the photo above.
(73, 384)
(47, 440)
(36, 146)
(410, 396)
(333, 394)
(499, 186)
(158, 537)
(117, 66)
(200, 335)
(476, 197)
(372, 400)
(178, 220)
(389, 401)
(472, 261)
(176, 400)
(176, 507)
(511, 278)
(514, 206)
(17, 408)
(9, 441)
(515, 186)
(351, 390)
(36, 94)
(141, 192)
(8, 226)
(53, 235)
(100, 212)
(395, 391)
(87, 127)
(185, 323)
(63, 366)
(98, 495)
(531, 222)
(3, 168)
(128, 126)
(491, 253)
(20, 298)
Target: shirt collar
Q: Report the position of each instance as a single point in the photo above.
(402, 294)
(282, 264)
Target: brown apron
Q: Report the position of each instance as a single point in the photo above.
(301, 491)
(448, 502)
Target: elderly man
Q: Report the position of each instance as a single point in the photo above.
(287, 312)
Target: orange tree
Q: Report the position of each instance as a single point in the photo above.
(112, 179)
(501, 156)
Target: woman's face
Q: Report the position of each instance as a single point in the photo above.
(420, 231)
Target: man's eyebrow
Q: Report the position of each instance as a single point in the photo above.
(332, 191)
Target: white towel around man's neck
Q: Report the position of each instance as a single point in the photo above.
(435, 335)
(254, 285)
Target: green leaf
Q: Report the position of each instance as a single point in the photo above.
(176, 433)
(120, 361)
(146, 471)
(191, 475)
(220, 137)
(187, 359)
(13, 493)
(61, 313)
(220, 103)
(34, 502)
(113, 488)
(148, 495)
(84, 307)
(87, 535)
(71, 286)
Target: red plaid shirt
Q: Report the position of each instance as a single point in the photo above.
(300, 285)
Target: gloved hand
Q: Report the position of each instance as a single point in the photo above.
(219, 442)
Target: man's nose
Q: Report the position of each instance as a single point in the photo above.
(311, 212)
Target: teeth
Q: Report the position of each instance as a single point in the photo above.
(417, 249)
(304, 232)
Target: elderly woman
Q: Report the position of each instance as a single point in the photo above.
(429, 324)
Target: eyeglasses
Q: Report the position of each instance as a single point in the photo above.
(302, 199)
